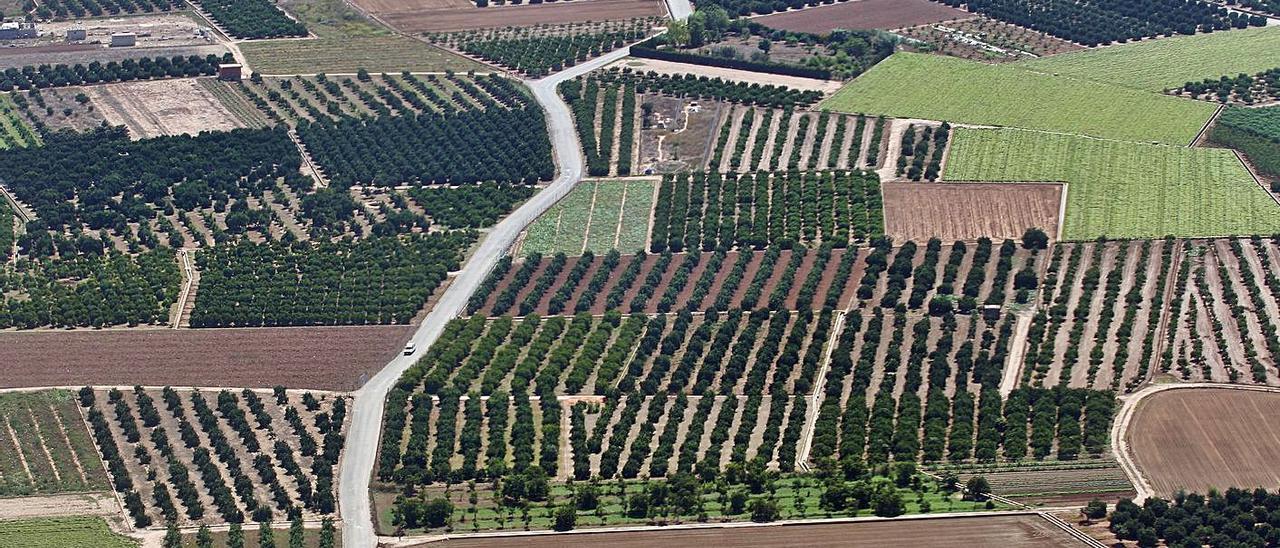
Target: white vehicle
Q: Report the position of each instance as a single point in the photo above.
(410, 348)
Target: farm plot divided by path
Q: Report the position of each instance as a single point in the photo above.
(596, 216)
(45, 447)
(968, 211)
(1003, 95)
(1206, 438)
(1122, 189)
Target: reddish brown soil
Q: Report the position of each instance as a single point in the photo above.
(968, 211)
(1197, 439)
(451, 15)
(326, 358)
(863, 14)
(973, 532)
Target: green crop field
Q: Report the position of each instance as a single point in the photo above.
(347, 55)
(40, 459)
(1166, 63)
(619, 219)
(61, 533)
(909, 85)
(1119, 189)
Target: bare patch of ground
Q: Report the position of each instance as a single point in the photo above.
(162, 107)
(964, 211)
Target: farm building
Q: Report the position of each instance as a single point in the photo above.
(74, 35)
(230, 72)
(14, 30)
(123, 39)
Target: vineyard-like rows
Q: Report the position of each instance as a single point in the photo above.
(538, 51)
(712, 211)
(253, 19)
(1254, 132)
(49, 450)
(321, 98)
(754, 139)
(606, 122)
(596, 217)
(190, 457)
(923, 145)
(693, 86)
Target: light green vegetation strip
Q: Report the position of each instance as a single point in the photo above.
(61, 533)
(1166, 63)
(910, 85)
(1121, 189)
(566, 226)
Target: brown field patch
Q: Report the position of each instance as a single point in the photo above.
(863, 14)
(451, 15)
(1203, 438)
(974, 532)
(968, 211)
(162, 107)
(326, 358)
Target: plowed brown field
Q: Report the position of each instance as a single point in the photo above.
(863, 14)
(450, 15)
(968, 211)
(971, 532)
(324, 358)
(1202, 438)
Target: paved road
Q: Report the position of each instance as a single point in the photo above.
(357, 463)
(679, 9)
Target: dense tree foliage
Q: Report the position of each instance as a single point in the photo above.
(469, 206)
(107, 288)
(142, 68)
(65, 9)
(1253, 131)
(1235, 517)
(253, 18)
(1106, 21)
(373, 281)
(537, 56)
(702, 87)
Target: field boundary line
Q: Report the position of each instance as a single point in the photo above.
(1062, 209)
(189, 273)
(1163, 329)
(811, 414)
(1205, 128)
(1256, 179)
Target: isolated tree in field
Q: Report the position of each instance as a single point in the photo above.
(764, 510)
(204, 538)
(235, 536)
(1034, 238)
(1095, 510)
(437, 512)
(566, 517)
(976, 489)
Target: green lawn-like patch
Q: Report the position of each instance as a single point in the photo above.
(910, 85)
(1166, 63)
(61, 533)
(620, 219)
(1120, 189)
(1253, 131)
(347, 55)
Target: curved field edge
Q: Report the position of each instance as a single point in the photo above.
(933, 87)
(1157, 65)
(1122, 189)
(62, 532)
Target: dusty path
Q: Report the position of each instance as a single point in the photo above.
(356, 464)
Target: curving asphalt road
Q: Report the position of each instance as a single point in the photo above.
(356, 466)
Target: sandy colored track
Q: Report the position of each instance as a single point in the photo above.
(1026, 530)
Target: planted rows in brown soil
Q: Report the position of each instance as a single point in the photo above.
(758, 138)
(324, 358)
(44, 446)
(863, 14)
(1056, 483)
(451, 15)
(1206, 438)
(1101, 305)
(194, 457)
(984, 39)
(968, 211)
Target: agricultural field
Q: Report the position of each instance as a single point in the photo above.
(72, 9)
(962, 91)
(45, 447)
(133, 67)
(210, 443)
(596, 216)
(320, 358)
(537, 51)
(1168, 63)
(1020, 530)
(1056, 483)
(968, 211)
(248, 19)
(165, 107)
(1177, 444)
(1119, 189)
(1255, 132)
(339, 55)
(53, 109)
(15, 132)
(863, 14)
(62, 532)
(985, 39)
(453, 15)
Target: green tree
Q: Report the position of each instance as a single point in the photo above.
(297, 535)
(566, 517)
(1095, 510)
(172, 537)
(764, 510)
(235, 536)
(1034, 238)
(437, 511)
(266, 537)
(976, 489)
(204, 538)
(327, 533)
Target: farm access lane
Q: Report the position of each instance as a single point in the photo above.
(356, 465)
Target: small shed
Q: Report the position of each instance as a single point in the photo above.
(124, 39)
(230, 72)
(991, 311)
(76, 35)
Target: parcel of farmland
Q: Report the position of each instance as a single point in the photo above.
(1157, 65)
(975, 93)
(1122, 189)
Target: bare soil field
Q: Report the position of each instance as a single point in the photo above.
(162, 107)
(974, 532)
(80, 504)
(863, 14)
(961, 211)
(155, 30)
(1198, 439)
(451, 15)
(70, 54)
(328, 358)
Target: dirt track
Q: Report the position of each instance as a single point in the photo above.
(330, 358)
(978, 532)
